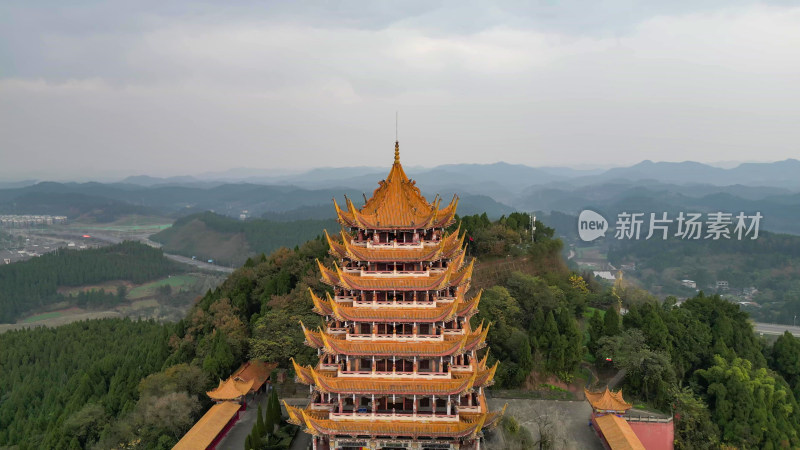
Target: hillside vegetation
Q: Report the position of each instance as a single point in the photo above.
(62, 387)
(771, 264)
(28, 285)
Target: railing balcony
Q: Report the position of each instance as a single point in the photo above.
(394, 304)
(389, 374)
(395, 337)
(393, 244)
(420, 416)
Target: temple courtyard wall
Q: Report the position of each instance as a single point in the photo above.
(574, 415)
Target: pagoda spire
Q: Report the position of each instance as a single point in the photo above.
(397, 152)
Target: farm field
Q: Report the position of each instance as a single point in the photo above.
(141, 301)
(178, 283)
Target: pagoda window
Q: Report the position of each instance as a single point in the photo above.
(365, 364)
(364, 328)
(425, 329)
(424, 365)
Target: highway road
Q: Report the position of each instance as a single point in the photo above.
(774, 328)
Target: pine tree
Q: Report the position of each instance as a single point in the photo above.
(611, 322)
(248, 443)
(595, 331)
(273, 419)
(260, 422)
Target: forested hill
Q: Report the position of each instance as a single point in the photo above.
(230, 241)
(62, 387)
(31, 284)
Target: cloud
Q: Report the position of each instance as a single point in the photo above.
(294, 86)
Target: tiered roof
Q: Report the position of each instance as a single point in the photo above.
(451, 344)
(607, 400)
(397, 203)
(456, 274)
(459, 383)
(444, 312)
(318, 423)
(449, 246)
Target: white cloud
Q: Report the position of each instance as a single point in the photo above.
(187, 95)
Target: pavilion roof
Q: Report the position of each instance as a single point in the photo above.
(397, 203)
(203, 433)
(607, 400)
(468, 426)
(451, 344)
(231, 389)
(456, 274)
(618, 433)
(444, 312)
(258, 371)
(445, 249)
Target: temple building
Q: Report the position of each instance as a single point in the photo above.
(618, 430)
(399, 364)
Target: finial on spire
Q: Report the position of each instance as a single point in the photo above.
(396, 152)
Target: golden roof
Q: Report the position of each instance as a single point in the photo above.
(446, 248)
(316, 425)
(397, 203)
(329, 382)
(208, 427)
(456, 274)
(231, 389)
(607, 400)
(452, 344)
(258, 371)
(445, 312)
(618, 433)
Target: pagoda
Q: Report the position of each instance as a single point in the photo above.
(398, 358)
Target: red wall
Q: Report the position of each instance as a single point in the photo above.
(655, 435)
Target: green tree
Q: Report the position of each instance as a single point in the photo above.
(611, 326)
(260, 429)
(751, 406)
(273, 413)
(784, 357)
(694, 428)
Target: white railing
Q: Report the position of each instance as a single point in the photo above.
(419, 417)
(392, 273)
(393, 244)
(398, 375)
(395, 337)
(393, 304)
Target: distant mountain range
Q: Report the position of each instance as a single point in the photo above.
(499, 188)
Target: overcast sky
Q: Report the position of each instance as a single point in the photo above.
(91, 89)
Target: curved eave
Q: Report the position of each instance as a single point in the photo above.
(384, 314)
(335, 346)
(313, 338)
(470, 308)
(322, 307)
(459, 429)
(350, 386)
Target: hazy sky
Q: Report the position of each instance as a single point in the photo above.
(127, 87)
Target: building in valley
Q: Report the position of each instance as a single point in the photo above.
(399, 364)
